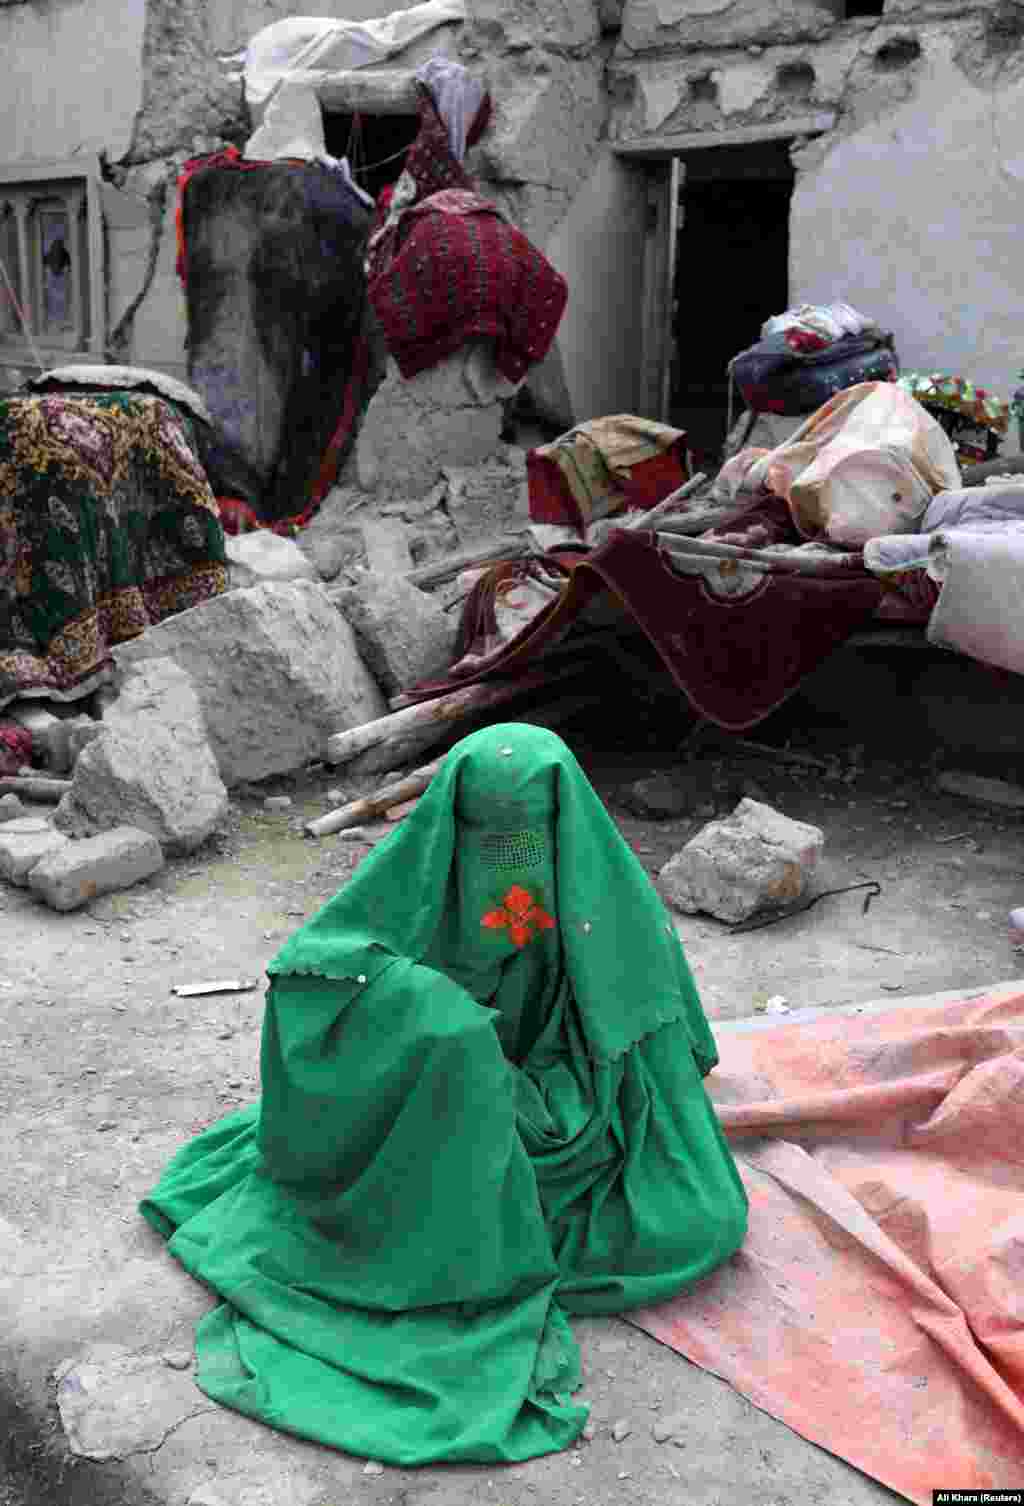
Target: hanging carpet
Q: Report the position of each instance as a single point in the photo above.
(272, 259)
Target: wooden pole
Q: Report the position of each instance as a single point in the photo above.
(34, 787)
(414, 783)
(396, 738)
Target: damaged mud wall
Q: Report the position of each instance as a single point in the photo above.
(909, 186)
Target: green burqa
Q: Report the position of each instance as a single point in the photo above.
(482, 1110)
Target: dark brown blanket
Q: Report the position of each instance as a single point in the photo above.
(738, 629)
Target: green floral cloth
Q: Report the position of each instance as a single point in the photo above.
(107, 524)
(482, 1110)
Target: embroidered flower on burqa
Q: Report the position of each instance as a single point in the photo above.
(519, 914)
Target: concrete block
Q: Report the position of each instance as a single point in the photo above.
(276, 669)
(50, 735)
(403, 635)
(261, 556)
(11, 808)
(70, 876)
(754, 858)
(151, 767)
(24, 842)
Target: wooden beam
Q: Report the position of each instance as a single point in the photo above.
(383, 91)
(691, 141)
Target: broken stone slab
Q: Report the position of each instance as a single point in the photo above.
(24, 842)
(403, 635)
(114, 1403)
(276, 669)
(436, 419)
(982, 791)
(70, 876)
(151, 767)
(754, 858)
(261, 555)
(51, 738)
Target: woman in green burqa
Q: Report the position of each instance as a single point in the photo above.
(482, 1110)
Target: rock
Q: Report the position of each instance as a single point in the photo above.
(276, 670)
(661, 796)
(668, 1428)
(177, 1359)
(386, 541)
(486, 501)
(81, 731)
(621, 1429)
(11, 808)
(113, 1403)
(50, 735)
(205, 1495)
(371, 1467)
(402, 634)
(261, 556)
(440, 422)
(72, 875)
(151, 767)
(333, 538)
(755, 857)
(982, 791)
(24, 842)
(277, 802)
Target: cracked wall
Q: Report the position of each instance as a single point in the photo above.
(909, 183)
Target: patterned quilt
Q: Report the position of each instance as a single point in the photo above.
(107, 524)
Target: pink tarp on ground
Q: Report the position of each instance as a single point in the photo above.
(877, 1306)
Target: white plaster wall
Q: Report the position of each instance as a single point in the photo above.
(917, 219)
(599, 249)
(72, 77)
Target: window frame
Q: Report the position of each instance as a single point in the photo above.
(75, 181)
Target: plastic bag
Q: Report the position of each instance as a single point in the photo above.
(866, 463)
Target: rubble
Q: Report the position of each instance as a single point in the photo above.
(262, 556)
(69, 876)
(151, 767)
(276, 670)
(386, 542)
(24, 842)
(489, 498)
(403, 635)
(753, 858)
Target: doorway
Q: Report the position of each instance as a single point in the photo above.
(731, 274)
(375, 145)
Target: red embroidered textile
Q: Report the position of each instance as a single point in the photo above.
(15, 747)
(459, 272)
(518, 914)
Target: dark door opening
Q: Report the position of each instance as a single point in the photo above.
(732, 273)
(375, 145)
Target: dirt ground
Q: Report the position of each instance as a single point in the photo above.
(104, 1072)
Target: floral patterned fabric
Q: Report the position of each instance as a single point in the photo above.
(974, 418)
(107, 524)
